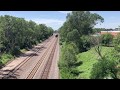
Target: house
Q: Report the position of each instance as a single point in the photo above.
(114, 33)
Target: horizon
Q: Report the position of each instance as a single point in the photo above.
(55, 19)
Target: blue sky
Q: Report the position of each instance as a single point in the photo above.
(55, 19)
(111, 19)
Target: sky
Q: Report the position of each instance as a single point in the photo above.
(55, 19)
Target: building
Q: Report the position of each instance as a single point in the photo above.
(114, 33)
(117, 29)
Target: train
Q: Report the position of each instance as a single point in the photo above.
(56, 35)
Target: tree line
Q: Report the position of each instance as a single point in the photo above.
(107, 66)
(75, 38)
(17, 33)
(78, 24)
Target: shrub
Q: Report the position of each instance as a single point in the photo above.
(68, 60)
(116, 42)
(15, 51)
(85, 42)
(66, 73)
(104, 68)
(117, 47)
(107, 39)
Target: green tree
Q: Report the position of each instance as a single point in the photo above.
(98, 30)
(67, 63)
(107, 39)
(17, 33)
(116, 42)
(68, 55)
(78, 23)
(104, 68)
(83, 21)
(85, 43)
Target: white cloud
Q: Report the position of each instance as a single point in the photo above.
(48, 21)
(65, 12)
(54, 23)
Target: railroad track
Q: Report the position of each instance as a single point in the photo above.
(35, 69)
(46, 70)
(22, 63)
(13, 59)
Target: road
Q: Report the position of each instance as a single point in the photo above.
(41, 62)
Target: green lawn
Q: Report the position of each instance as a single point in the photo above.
(89, 58)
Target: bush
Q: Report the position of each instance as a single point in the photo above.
(104, 68)
(107, 39)
(95, 40)
(66, 73)
(14, 50)
(117, 47)
(85, 42)
(68, 60)
(116, 42)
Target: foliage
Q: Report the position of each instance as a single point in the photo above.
(98, 30)
(68, 73)
(104, 68)
(4, 58)
(73, 35)
(106, 65)
(89, 58)
(88, 42)
(17, 33)
(68, 58)
(85, 43)
(82, 21)
(67, 63)
(107, 39)
(77, 24)
(95, 40)
(116, 42)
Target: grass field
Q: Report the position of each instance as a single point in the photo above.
(89, 58)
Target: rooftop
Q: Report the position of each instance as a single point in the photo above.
(110, 31)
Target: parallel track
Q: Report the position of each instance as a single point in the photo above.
(20, 65)
(35, 69)
(46, 70)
